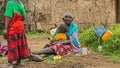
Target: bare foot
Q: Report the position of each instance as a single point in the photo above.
(37, 58)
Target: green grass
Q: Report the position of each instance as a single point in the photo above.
(110, 47)
(32, 35)
(1, 30)
(115, 58)
(3, 60)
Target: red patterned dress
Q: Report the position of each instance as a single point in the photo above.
(61, 49)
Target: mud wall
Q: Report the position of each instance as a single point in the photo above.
(42, 13)
(87, 13)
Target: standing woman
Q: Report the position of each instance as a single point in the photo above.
(14, 32)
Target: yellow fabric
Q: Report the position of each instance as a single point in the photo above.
(59, 36)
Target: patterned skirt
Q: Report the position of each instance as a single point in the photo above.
(61, 49)
(17, 47)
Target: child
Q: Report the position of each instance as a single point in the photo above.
(61, 36)
(62, 29)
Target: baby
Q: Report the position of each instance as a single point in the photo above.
(61, 36)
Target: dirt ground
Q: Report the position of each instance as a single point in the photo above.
(68, 61)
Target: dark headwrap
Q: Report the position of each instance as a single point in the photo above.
(67, 14)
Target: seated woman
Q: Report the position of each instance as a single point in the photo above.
(62, 48)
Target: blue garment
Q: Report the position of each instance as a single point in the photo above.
(99, 31)
(73, 28)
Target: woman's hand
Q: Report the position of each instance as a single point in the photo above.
(5, 33)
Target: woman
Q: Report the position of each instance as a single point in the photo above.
(72, 32)
(14, 32)
(62, 48)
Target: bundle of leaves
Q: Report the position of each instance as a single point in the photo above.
(110, 46)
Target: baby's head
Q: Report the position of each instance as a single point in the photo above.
(62, 28)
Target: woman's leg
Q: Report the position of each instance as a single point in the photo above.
(46, 50)
(9, 63)
(47, 45)
(23, 50)
(19, 59)
(9, 43)
(18, 47)
(42, 53)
